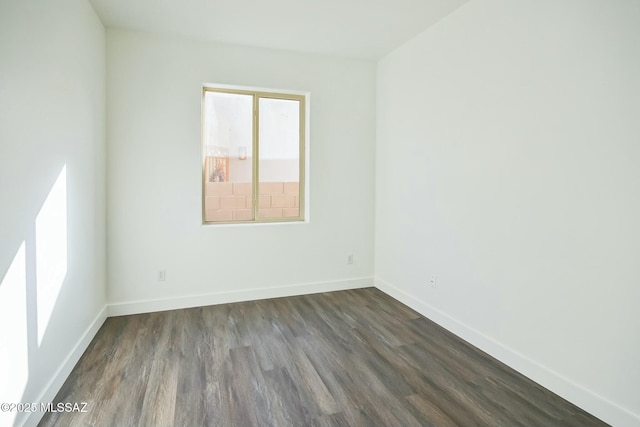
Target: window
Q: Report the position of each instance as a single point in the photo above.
(253, 156)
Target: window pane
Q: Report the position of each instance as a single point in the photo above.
(228, 136)
(279, 158)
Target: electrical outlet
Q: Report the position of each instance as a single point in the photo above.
(432, 281)
(350, 259)
(161, 275)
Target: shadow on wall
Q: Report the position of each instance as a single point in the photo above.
(29, 291)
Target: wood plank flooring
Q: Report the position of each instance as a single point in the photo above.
(349, 358)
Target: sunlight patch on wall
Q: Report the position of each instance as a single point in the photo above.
(51, 251)
(14, 350)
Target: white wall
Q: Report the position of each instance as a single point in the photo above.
(507, 165)
(52, 237)
(154, 173)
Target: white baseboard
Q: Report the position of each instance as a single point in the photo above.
(148, 306)
(61, 375)
(560, 385)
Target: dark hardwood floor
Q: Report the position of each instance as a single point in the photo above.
(349, 358)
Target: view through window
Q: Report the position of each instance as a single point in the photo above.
(253, 156)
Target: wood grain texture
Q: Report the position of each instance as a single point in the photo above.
(348, 358)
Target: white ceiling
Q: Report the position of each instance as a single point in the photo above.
(366, 29)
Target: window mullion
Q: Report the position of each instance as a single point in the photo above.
(256, 164)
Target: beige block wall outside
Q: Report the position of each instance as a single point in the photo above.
(227, 201)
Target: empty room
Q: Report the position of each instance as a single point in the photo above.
(319, 213)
